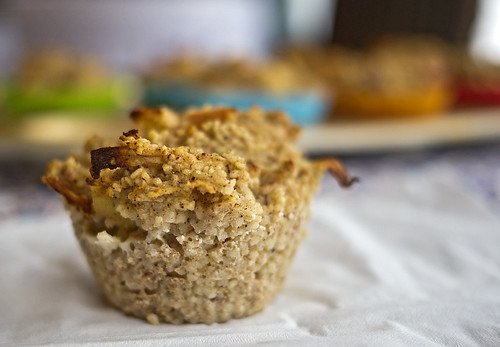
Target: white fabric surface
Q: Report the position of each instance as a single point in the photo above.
(408, 257)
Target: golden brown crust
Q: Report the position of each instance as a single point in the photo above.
(146, 113)
(337, 170)
(63, 179)
(222, 114)
(82, 203)
(154, 118)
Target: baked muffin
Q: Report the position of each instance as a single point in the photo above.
(273, 85)
(273, 76)
(394, 78)
(192, 218)
(59, 80)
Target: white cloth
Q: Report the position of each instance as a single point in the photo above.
(409, 257)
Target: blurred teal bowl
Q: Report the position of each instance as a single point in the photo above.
(303, 108)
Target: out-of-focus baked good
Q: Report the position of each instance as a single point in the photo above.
(392, 78)
(273, 85)
(272, 76)
(476, 81)
(58, 79)
(193, 218)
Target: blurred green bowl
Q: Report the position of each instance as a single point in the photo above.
(19, 102)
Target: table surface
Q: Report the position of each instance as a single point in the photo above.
(409, 256)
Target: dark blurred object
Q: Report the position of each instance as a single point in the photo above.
(359, 22)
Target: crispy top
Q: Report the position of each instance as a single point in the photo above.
(209, 154)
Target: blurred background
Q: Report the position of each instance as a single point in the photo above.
(362, 77)
(405, 92)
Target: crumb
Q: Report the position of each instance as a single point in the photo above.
(152, 319)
